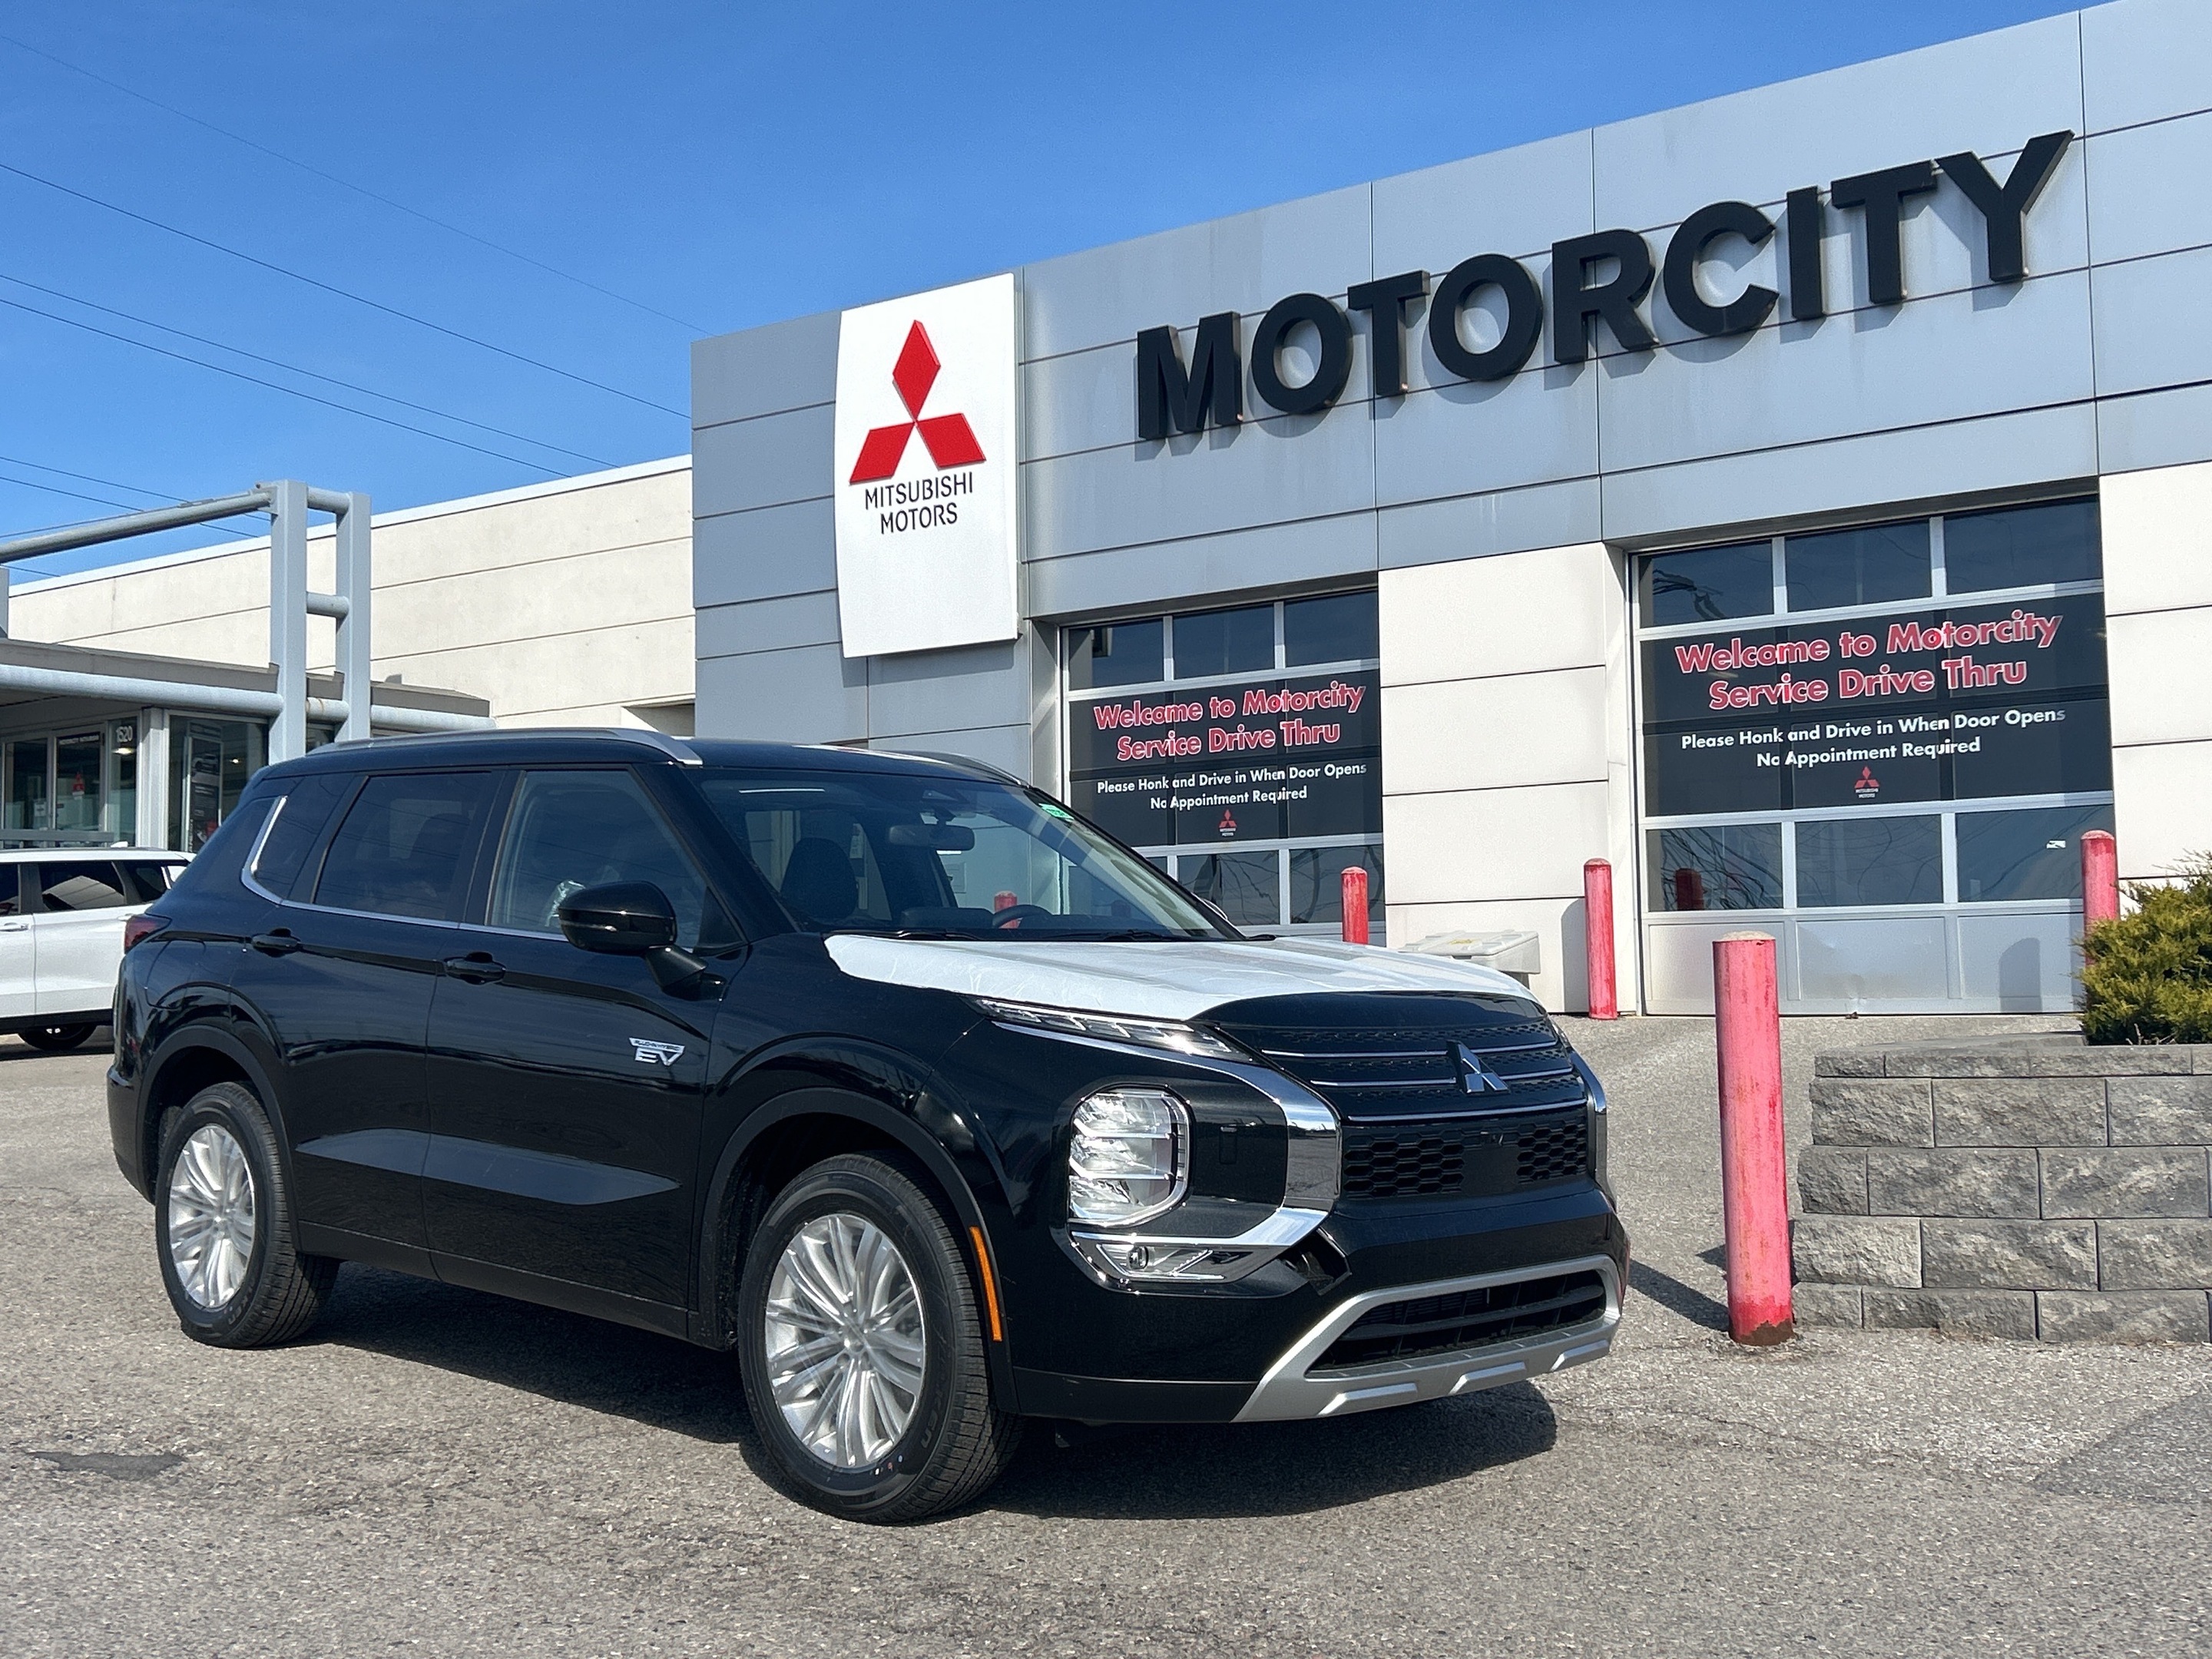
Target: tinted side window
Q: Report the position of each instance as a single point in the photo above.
(82, 886)
(1708, 585)
(570, 830)
(405, 847)
(301, 821)
(2022, 547)
(1118, 653)
(148, 880)
(11, 888)
(1337, 628)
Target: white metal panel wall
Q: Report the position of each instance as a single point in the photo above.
(2158, 621)
(1505, 752)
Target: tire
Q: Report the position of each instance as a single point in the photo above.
(954, 1441)
(223, 1226)
(54, 1039)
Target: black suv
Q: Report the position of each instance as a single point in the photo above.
(940, 1107)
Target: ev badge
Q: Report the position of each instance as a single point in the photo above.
(650, 1053)
(1476, 1077)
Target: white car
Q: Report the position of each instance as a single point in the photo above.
(62, 911)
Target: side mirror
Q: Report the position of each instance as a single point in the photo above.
(619, 919)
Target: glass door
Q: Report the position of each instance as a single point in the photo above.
(27, 792)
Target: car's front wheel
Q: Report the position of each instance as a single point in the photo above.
(54, 1039)
(222, 1226)
(861, 1347)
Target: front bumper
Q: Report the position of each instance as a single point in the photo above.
(1290, 1391)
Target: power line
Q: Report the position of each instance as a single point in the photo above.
(273, 385)
(74, 495)
(161, 495)
(294, 368)
(79, 496)
(343, 294)
(89, 477)
(347, 183)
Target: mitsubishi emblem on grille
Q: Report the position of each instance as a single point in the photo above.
(1474, 1075)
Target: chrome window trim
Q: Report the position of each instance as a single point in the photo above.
(1286, 1393)
(247, 878)
(246, 871)
(246, 874)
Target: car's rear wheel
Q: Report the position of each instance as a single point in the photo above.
(861, 1347)
(54, 1038)
(223, 1228)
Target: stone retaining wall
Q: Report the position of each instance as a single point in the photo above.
(2031, 1187)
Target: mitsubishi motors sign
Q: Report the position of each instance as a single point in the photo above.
(925, 470)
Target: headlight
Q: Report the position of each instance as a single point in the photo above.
(1130, 1158)
(1169, 1034)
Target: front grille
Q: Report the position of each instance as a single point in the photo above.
(1391, 1165)
(1429, 1325)
(1483, 1157)
(1554, 1150)
(1413, 1059)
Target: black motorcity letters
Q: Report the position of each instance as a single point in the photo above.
(1576, 302)
(2004, 207)
(1604, 277)
(1384, 299)
(1211, 392)
(1880, 196)
(1524, 318)
(1699, 231)
(1326, 385)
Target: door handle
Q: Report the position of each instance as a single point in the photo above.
(478, 968)
(278, 943)
(14, 926)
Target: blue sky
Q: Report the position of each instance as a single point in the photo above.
(714, 165)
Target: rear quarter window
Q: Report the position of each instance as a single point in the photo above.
(302, 815)
(407, 846)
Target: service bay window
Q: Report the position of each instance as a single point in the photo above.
(1889, 739)
(1239, 750)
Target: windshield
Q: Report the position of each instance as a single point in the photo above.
(943, 857)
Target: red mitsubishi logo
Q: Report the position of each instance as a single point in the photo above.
(949, 440)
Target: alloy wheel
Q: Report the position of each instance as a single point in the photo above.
(844, 1340)
(211, 1216)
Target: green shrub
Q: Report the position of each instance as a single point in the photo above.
(2147, 977)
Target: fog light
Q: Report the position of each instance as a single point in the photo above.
(1130, 1158)
(1176, 1261)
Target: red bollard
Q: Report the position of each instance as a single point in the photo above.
(1754, 1169)
(2100, 878)
(1355, 905)
(1597, 937)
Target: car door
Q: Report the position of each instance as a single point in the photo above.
(338, 982)
(76, 924)
(565, 1087)
(18, 965)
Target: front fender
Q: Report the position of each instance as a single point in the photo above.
(890, 1092)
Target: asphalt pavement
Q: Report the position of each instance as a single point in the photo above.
(434, 1471)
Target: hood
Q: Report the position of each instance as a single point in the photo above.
(1171, 980)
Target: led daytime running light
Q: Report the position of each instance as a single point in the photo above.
(1172, 1035)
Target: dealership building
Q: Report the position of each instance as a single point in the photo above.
(1802, 500)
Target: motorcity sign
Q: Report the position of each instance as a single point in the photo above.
(925, 462)
(1598, 278)
(1257, 759)
(1928, 703)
